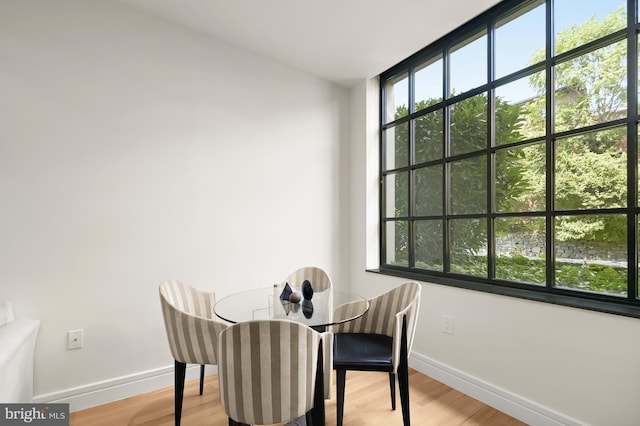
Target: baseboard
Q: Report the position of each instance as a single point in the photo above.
(514, 405)
(111, 390)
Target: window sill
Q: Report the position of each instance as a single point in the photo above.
(579, 301)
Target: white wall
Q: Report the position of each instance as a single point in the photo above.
(544, 363)
(133, 151)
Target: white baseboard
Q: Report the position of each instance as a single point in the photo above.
(111, 390)
(514, 405)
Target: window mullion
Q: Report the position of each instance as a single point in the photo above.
(381, 189)
(446, 169)
(549, 129)
(632, 149)
(411, 255)
(491, 143)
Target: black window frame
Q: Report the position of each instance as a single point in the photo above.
(626, 306)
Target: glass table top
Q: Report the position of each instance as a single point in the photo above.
(265, 303)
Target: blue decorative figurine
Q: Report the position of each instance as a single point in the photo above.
(286, 292)
(307, 290)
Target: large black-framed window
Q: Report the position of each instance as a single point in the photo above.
(509, 156)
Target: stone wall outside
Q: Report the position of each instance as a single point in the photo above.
(533, 245)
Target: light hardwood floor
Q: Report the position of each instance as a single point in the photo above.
(367, 402)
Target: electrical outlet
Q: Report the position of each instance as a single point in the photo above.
(447, 324)
(75, 339)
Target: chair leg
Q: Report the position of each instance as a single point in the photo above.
(341, 376)
(317, 416)
(403, 375)
(403, 384)
(234, 423)
(201, 378)
(392, 387)
(180, 369)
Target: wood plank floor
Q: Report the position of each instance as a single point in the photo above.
(367, 402)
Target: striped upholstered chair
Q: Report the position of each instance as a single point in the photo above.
(191, 330)
(270, 371)
(318, 278)
(380, 340)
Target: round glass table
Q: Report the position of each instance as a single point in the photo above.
(266, 303)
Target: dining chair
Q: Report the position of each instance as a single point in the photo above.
(270, 371)
(380, 340)
(191, 330)
(319, 280)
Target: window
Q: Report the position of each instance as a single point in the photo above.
(509, 156)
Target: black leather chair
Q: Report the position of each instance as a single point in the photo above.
(378, 341)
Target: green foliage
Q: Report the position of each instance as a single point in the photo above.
(591, 169)
(468, 177)
(468, 127)
(520, 268)
(429, 139)
(511, 180)
(601, 185)
(469, 265)
(589, 277)
(592, 277)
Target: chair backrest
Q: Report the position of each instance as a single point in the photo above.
(318, 278)
(188, 319)
(385, 313)
(267, 370)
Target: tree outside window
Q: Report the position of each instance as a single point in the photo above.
(486, 186)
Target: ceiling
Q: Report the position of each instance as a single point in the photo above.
(341, 41)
